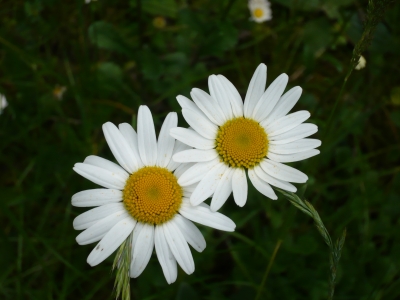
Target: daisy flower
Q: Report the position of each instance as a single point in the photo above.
(231, 138)
(260, 10)
(142, 195)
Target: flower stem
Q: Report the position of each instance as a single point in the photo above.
(271, 261)
(335, 248)
(375, 12)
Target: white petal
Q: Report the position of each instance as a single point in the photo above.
(295, 147)
(283, 172)
(261, 186)
(285, 104)
(98, 230)
(192, 138)
(90, 217)
(234, 96)
(187, 103)
(223, 190)
(96, 197)
(285, 158)
(179, 146)
(190, 188)
(166, 142)
(179, 247)
(195, 155)
(131, 138)
(120, 148)
(203, 215)
(287, 123)
(297, 133)
(274, 181)
(197, 172)
(142, 251)
(136, 232)
(187, 194)
(146, 137)
(182, 169)
(190, 232)
(217, 91)
(270, 97)
(208, 105)
(111, 241)
(239, 186)
(100, 176)
(106, 164)
(200, 123)
(208, 184)
(165, 256)
(255, 90)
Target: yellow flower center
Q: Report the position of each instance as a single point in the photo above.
(152, 195)
(258, 12)
(241, 143)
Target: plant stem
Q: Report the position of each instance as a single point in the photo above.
(375, 12)
(271, 261)
(335, 248)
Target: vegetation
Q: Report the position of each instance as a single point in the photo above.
(68, 67)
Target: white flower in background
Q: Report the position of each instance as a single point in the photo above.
(230, 137)
(88, 1)
(3, 103)
(260, 10)
(58, 92)
(142, 196)
(361, 63)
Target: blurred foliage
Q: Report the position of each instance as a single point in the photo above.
(113, 56)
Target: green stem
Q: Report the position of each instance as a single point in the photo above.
(227, 9)
(335, 248)
(271, 261)
(375, 13)
(338, 99)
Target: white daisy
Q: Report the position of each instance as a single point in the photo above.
(230, 137)
(3, 103)
(260, 10)
(142, 196)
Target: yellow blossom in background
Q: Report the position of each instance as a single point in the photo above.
(59, 91)
(361, 63)
(260, 10)
(159, 22)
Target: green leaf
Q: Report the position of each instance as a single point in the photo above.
(105, 36)
(168, 8)
(110, 70)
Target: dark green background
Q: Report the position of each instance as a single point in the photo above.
(111, 58)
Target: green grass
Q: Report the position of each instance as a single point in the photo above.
(112, 59)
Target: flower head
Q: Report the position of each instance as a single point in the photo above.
(362, 62)
(142, 195)
(159, 22)
(3, 103)
(58, 91)
(260, 10)
(231, 137)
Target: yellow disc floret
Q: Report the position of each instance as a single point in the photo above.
(152, 195)
(258, 12)
(241, 142)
